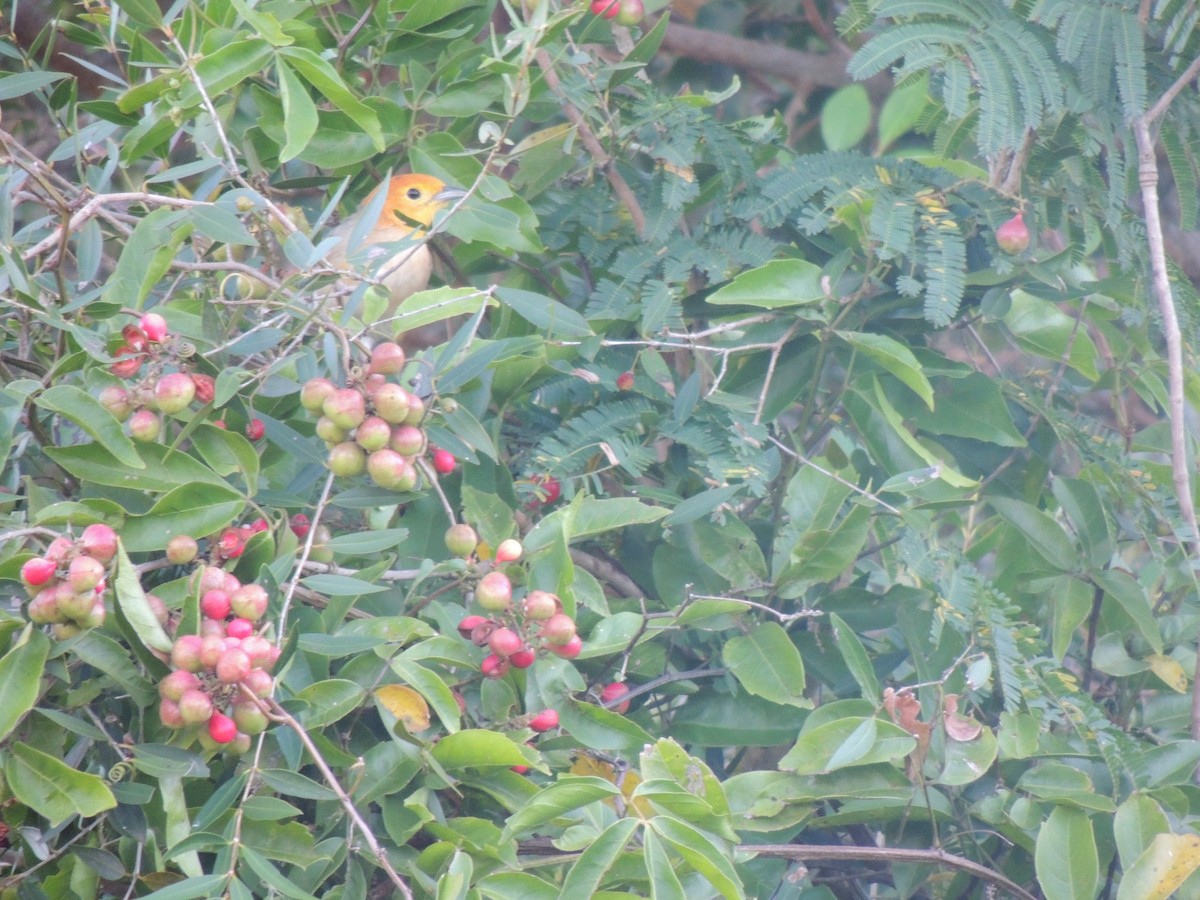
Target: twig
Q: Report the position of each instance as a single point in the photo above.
(1161, 284)
(603, 161)
(800, 457)
(278, 714)
(817, 852)
(607, 572)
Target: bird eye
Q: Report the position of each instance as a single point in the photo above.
(413, 193)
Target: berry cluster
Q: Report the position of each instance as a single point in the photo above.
(373, 425)
(220, 671)
(515, 632)
(156, 393)
(67, 583)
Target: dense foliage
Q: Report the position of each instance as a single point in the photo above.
(782, 498)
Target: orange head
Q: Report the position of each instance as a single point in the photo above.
(414, 198)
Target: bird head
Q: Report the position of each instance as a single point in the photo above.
(415, 199)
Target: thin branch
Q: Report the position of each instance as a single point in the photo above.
(279, 714)
(597, 150)
(817, 852)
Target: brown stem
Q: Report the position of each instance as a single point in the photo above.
(604, 162)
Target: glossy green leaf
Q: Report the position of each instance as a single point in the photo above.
(815, 749)
(587, 873)
(1042, 328)
(475, 747)
(768, 665)
(778, 284)
(1043, 535)
(53, 789)
(1137, 821)
(566, 794)
(188, 509)
(1165, 865)
(329, 701)
(845, 117)
(85, 411)
(702, 853)
(893, 357)
(1066, 861)
(20, 678)
(856, 659)
(325, 78)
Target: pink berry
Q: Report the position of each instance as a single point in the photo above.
(1013, 236)
(544, 721)
(494, 592)
(233, 666)
(174, 392)
(256, 429)
(505, 642)
(387, 358)
(221, 728)
(99, 541)
(612, 692)
(37, 571)
(444, 461)
(300, 524)
(240, 628)
(215, 604)
(494, 666)
(606, 8)
(522, 659)
(153, 326)
(509, 551)
(569, 650)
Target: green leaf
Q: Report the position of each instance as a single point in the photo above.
(845, 117)
(893, 357)
(329, 701)
(325, 78)
(817, 748)
(146, 255)
(855, 656)
(601, 729)
(567, 794)
(191, 888)
(1135, 824)
(970, 407)
(664, 883)
(225, 68)
(341, 585)
(143, 629)
(162, 469)
(704, 855)
(545, 313)
(267, 871)
(591, 517)
(1065, 859)
(86, 412)
(475, 747)
(1134, 600)
(21, 83)
(20, 678)
(53, 789)
(429, 685)
(299, 112)
(779, 283)
(187, 509)
(1044, 536)
(361, 543)
(293, 784)
(587, 874)
(1042, 328)
(767, 664)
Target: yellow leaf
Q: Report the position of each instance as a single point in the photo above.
(627, 781)
(1169, 672)
(406, 705)
(1165, 865)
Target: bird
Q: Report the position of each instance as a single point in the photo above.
(409, 208)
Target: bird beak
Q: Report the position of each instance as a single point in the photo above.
(449, 195)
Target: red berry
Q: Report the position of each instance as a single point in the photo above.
(469, 623)
(544, 721)
(233, 666)
(444, 461)
(606, 8)
(221, 728)
(522, 659)
(300, 524)
(239, 628)
(346, 407)
(520, 770)
(569, 650)
(215, 604)
(255, 429)
(494, 666)
(99, 541)
(85, 573)
(558, 629)
(505, 642)
(258, 525)
(1013, 235)
(195, 706)
(154, 327)
(249, 601)
(37, 571)
(135, 338)
(541, 605)
(625, 381)
(174, 685)
(612, 692)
